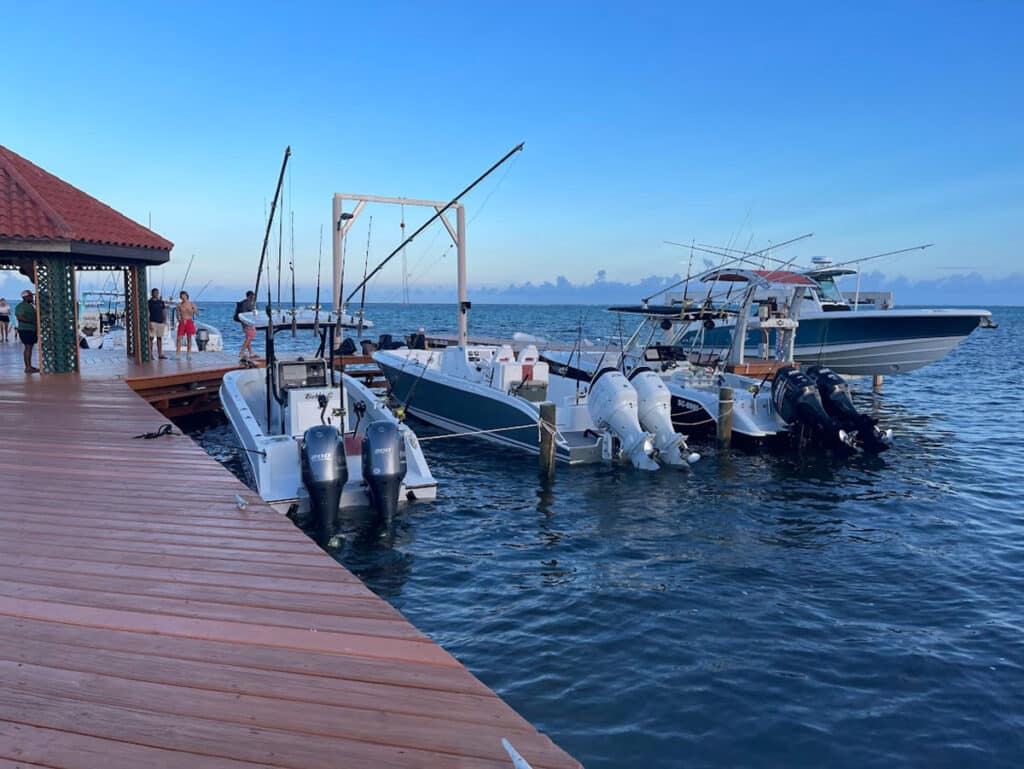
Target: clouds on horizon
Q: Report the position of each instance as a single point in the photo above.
(962, 288)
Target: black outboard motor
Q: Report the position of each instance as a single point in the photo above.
(324, 473)
(202, 339)
(835, 396)
(383, 466)
(797, 401)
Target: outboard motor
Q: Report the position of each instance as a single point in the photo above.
(384, 466)
(835, 396)
(202, 338)
(324, 473)
(612, 403)
(654, 403)
(797, 401)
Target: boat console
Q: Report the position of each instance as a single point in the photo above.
(302, 388)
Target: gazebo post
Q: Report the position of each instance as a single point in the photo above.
(55, 309)
(136, 310)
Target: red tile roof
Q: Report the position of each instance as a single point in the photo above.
(37, 205)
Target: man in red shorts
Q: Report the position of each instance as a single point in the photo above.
(187, 313)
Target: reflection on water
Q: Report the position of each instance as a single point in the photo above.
(792, 610)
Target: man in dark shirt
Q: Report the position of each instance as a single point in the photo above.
(157, 323)
(246, 305)
(25, 313)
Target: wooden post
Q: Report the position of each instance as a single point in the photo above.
(547, 440)
(725, 406)
(876, 383)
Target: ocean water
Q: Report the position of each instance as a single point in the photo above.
(756, 610)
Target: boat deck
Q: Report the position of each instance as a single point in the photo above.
(149, 620)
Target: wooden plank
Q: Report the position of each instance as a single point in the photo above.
(352, 622)
(70, 750)
(363, 605)
(378, 726)
(216, 739)
(64, 652)
(325, 666)
(310, 638)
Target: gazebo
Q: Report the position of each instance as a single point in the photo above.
(48, 230)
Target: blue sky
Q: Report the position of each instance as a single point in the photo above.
(874, 125)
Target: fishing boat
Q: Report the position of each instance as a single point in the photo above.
(851, 336)
(771, 401)
(491, 393)
(318, 443)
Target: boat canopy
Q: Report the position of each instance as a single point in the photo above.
(770, 277)
(829, 273)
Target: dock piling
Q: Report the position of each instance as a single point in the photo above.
(725, 405)
(547, 440)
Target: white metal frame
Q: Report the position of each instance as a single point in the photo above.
(458, 235)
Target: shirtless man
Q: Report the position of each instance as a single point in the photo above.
(187, 313)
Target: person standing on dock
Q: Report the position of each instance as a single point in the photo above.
(187, 312)
(5, 320)
(157, 324)
(246, 305)
(25, 313)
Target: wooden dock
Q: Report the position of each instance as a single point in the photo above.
(147, 620)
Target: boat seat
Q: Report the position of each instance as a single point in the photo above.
(504, 354)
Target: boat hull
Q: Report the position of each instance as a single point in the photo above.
(866, 342)
(462, 409)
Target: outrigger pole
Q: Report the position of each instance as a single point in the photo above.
(733, 259)
(270, 219)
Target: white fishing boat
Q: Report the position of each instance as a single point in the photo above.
(305, 317)
(772, 401)
(317, 443)
(492, 394)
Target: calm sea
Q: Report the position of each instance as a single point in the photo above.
(756, 611)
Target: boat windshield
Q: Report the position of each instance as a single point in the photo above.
(830, 291)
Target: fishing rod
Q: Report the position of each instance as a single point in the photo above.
(434, 218)
(291, 266)
(366, 266)
(270, 219)
(887, 253)
(731, 258)
(184, 279)
(203, 289)
(316, 303)
(840, 264)
(280, 245)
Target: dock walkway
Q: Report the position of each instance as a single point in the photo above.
(146, 620)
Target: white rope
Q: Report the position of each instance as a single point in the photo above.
(484, 432)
